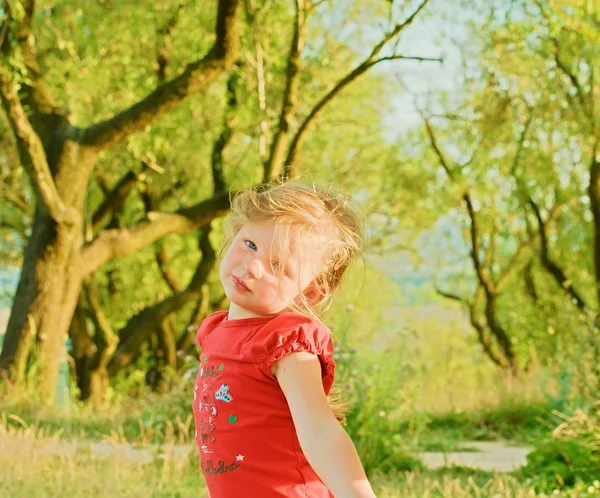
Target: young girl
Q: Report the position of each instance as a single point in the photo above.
(264, 426)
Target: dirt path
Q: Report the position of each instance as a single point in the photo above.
(490, 456)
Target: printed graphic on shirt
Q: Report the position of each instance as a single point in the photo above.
(208, 412)
(223, 393)
(210, 468)
(208, 406)
(206, 372)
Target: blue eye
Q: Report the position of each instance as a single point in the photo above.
(251, 244)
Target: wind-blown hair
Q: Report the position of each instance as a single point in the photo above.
(322, 213)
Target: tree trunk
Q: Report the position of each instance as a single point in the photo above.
(45, 300)
(83, 350)
(594, 193)
(59, 158)
(165, 355)
(99, 381)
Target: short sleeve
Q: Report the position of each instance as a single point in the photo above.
(209, 324)
(293, 333)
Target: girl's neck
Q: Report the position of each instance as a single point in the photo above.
(237, 313)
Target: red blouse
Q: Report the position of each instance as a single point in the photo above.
(246, 437)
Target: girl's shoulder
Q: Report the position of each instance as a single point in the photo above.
(293, 318)
(293, 333)
(209, 324)
(288, 333)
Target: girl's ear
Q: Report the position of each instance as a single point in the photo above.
(315, 293)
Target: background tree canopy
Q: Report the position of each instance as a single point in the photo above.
(125, 126)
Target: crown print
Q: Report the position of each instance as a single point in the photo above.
(223, 393)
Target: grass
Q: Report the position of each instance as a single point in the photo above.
(384, 439)
(513, 421)
(36, 462)
(28, 468)
(129, 420)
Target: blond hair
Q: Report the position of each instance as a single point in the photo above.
(308, 209)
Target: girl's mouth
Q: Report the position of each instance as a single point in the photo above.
(240, 286)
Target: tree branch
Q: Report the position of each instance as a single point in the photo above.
(139, 327)
(196, 77)
(581, 96)
(476, 248)
(110, 244)
(530, 286)
(363, 67)
(35, 93)
(511, 266)
(556, 271)
(252, 15)
(117, 195)
(160, 252)
(490, 253)
(163, 49)
(203, 309)
(227, 129)
(440, 155)
(24, 29)
(34, 162)
(594, 196)
(290, 95)
(499, 332)
(474, 225)
(476, 324)
(453, 297)
(105, 339)
(17, 200)
(15, 227)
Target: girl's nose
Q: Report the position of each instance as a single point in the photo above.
(254, 268)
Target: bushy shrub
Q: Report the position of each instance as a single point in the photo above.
(372, 397)
(571, 455)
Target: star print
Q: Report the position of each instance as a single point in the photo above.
(240, 458)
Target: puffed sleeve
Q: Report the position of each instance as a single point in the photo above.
(294, 333)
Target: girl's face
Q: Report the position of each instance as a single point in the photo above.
(256, 279)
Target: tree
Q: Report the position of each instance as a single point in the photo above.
(68, 244)
(59, 157)
(516, 146)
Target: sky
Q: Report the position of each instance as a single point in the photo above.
(437, 33)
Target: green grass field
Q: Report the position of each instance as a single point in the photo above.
(400, 404)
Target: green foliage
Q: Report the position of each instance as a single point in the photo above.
(558, 463)
(570, 455)
(516, 420)
(372, 398)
